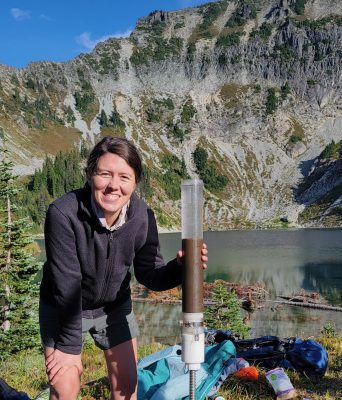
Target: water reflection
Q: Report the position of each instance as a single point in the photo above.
(288, 321)
(324, 278)
(285, 261)
(160, 323)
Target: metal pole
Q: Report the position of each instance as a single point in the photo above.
(192, 385)
(192, 287)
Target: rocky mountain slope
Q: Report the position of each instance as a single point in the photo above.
(244, 94)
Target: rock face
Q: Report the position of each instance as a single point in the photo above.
(255, 87)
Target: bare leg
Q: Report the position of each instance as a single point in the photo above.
(122, 370)
(68, 385)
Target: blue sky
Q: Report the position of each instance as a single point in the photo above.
(59, 30)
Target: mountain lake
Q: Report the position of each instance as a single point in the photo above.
(284, 261)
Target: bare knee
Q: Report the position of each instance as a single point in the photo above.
(67, 387)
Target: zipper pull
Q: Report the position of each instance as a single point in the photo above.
(110, 239)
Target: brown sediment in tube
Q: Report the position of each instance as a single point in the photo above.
(192, 296)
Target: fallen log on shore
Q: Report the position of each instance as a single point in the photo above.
(167, 301)
(252, 296)
(318, 306)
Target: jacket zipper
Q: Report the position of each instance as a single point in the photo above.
(107, 270)
(110, 240)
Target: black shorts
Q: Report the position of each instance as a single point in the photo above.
(108, 330)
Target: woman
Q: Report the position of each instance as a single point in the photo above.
(93, 235)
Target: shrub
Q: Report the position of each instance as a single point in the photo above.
(225, 313)
(271, 101)
(264, 32)
(212, 179)
(295, 139)
(298, 6)
(103, 119)
(165, 103)
(191, 50)
(200, 156)
(208, 171)
(84, 101)
(229, 40)
(175, 171)
(158, 49)
(70, 117)
(116, 120)
(284, 52)
(285, 90)
(257, 88)
(176, 132)
(329, 330)
(332, 150)
(179, 25)
(152, 115)
(312, 82)
(108, 64)
(145, 189)
(319, 23)
(211, 13)
(157, 108)
(30, 84)
(188, 111)
(244, 12)
(140, 56)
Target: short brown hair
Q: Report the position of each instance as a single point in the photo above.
(119, 146)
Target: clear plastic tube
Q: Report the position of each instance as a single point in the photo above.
(192, 286)
(192, 209)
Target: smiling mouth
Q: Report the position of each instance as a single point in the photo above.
(111, 197)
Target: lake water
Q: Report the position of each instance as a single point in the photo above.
(285, 261)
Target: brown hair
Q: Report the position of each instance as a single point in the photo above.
(119, 146)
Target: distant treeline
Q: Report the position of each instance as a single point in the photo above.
(65, 172)
(57, 176)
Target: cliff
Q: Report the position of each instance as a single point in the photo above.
(244, 94)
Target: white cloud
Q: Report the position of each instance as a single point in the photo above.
(45, 17)
(19, 14)
(86, 41)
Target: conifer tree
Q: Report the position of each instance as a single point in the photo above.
(18, 268)
(225, 313)
(56, 177)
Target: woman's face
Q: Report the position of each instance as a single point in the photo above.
(112, 185)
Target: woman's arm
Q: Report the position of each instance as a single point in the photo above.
(63, 269)
(149, 266)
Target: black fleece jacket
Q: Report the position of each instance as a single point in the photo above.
(88, 266)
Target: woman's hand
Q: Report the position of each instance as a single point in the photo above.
(57, 363)
(204, 256)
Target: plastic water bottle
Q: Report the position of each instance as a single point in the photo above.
(281, 384)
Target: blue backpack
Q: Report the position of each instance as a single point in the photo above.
(307, 357)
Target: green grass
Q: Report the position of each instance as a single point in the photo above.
(25, 371)
(328, 388)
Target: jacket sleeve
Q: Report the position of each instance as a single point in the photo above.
(149, 266)
(63, 268)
